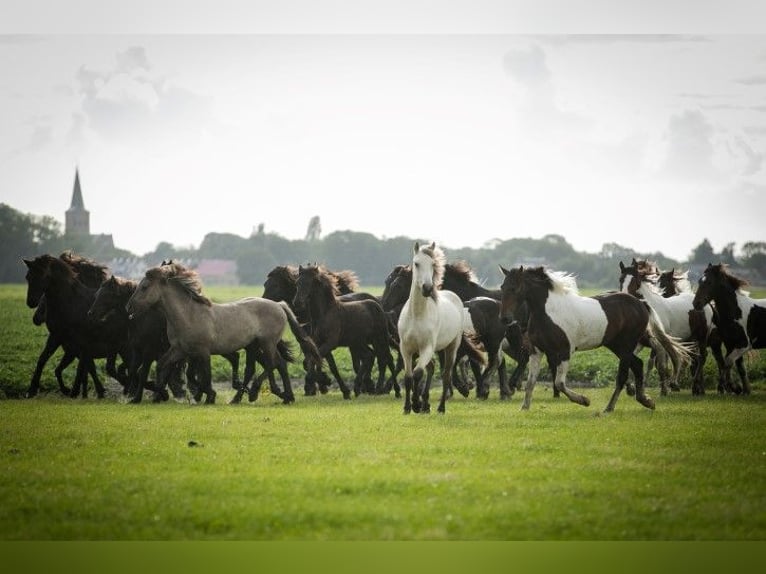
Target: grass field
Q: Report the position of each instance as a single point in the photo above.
(327, 469)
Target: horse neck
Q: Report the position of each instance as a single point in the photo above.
(727, 304)
(67, 297)
(651, 296)
(321, 301)
(177, 307)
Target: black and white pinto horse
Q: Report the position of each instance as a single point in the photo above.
(679, 319)
(741, 320)
(561, 321)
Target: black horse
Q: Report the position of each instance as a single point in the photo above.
(67, 302)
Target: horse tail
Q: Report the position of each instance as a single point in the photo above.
(285, 351)
(469, 347)
(680, 353)
(307, 344)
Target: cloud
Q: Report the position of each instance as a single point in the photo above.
(130, 104)
(757, 80)
(753, 159)
(528, 66)
(539, 110)
(690, 148)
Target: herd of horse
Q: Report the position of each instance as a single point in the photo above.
(430, 312)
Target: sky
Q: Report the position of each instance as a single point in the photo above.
(459, 122)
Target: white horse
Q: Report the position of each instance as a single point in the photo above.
(431, 321)
(678, 318)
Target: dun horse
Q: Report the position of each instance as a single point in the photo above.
(198, 328)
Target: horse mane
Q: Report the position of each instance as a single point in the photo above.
(679, 278)
(561, 282)
(328, 279)
(121, 285)
(186, 279)
(736, 283)
(645, 267)
(288, 273)
(435, 252)
(346, 281)
(88, 271)
(461, 270)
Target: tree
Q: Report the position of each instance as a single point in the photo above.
(727, 254)
(703, 253)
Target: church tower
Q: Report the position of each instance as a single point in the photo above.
(77, 217)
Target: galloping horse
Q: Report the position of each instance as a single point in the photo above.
(431, 321)
(280, 285)
(67, 302)
(357, 325)
(679, 319)
(482, 317)
(91, 274)
(561, 322)
(741, 320)
(198, 328)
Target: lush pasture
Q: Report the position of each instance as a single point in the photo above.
(328, 469)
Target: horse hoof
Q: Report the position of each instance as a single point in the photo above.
(647, 402)
(585, 402)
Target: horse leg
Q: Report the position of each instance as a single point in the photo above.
(207, 379)
(534, 369)
(249, 372)
(420, 395)
(408, 382)
(698, 369)
(450, 352)
(51, 344)
(166, 362)
(561, 378)
(233, 359)
(325, 351)
(502, 375)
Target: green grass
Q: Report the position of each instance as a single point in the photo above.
(328, 469)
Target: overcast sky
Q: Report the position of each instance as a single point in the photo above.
(649, 133)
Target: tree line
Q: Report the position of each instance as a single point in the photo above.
(372, 258)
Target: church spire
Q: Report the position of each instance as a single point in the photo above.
(77, 202)
(77, 217)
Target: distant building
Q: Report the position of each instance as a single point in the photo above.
(218, 272)
(77, 220)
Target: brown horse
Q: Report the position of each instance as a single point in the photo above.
(357, 325)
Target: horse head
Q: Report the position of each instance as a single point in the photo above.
(280, 284)
(148, 292)
(38, 278)
(106, 300)
(512, 293)
(397, 287)
(427, 268)
(716, 284)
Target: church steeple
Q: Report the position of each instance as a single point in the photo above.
(77, 217)
(77, 202)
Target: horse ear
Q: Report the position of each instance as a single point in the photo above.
(433, 245)
(27, 262)
(622, 267)
(634, 262)
(503, 270)
(416, 248)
